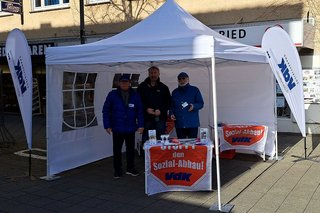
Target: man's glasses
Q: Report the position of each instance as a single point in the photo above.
(181, 78)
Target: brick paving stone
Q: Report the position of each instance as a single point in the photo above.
(291, 184)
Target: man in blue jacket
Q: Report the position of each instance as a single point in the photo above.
(185, 105)
(122, 117)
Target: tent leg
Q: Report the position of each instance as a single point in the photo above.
(277, 155)
(224, 208)
(277, 146)
(217, 207)
(279, 158)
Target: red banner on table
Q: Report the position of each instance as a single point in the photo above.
(249, 137)
(243, 135)
(180, 165)
(178, 168)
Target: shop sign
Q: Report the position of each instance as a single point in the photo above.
(11, 6)
(36, 49)
(251, 34)
(14, 1)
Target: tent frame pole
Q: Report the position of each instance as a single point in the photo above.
(217, 207)
(48, 177)
(276, 120)
(276, 115)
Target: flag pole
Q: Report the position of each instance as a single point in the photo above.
(30, 151)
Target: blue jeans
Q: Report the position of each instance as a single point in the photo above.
(159, 126)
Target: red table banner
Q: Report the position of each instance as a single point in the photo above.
(177, 168)
(243, 135)
(249, 137)
(180, 166)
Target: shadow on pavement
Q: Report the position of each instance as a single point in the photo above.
(92, 188)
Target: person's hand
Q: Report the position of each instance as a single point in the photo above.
(150, 111)
(140, 130)
(109, 131)
(157, 112)
(190, 107)
(173, 117)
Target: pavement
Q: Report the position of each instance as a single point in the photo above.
(247, 182)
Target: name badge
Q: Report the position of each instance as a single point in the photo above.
(184, 104)
(131, 105)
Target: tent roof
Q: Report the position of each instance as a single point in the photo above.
(170, 33)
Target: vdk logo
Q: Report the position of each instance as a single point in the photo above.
(241, 139)
(19, 73)
(286, 74)
(178, 176)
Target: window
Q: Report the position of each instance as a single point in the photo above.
(49, 4)
(311, 92)
(311, 85)
(134, 78)
(78, 100)
(283, 109)
(2, 13)
(96, 1)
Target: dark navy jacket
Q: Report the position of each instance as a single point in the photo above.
(120, 117)
(157, 97)
(190, 95)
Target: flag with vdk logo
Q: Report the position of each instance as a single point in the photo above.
(285, 63)
(19, 60)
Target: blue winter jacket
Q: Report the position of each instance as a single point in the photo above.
(190, 95)
(120, 117)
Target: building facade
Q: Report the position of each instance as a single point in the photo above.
(58, 22)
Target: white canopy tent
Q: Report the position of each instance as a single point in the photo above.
(175, 41)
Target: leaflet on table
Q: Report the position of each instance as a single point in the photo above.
(152, 136)
(204, 134)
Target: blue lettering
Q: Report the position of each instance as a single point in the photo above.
(291, 84)
(22, 83)
(241, 139)
(286, 75)
(178, 176)
(169, 176)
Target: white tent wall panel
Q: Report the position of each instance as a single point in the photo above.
(249, 101)
(69, 149)
(246, 95)
(245, 87)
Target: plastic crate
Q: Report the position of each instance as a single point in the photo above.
(227, 154)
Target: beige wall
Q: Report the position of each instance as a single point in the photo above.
(103, 19)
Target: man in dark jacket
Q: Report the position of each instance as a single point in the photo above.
(186, 103)
(122, 116)
(156, 100)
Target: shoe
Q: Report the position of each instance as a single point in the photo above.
(132, 172)
(117, 174)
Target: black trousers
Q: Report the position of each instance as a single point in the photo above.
(183, 133)
(118, 139)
